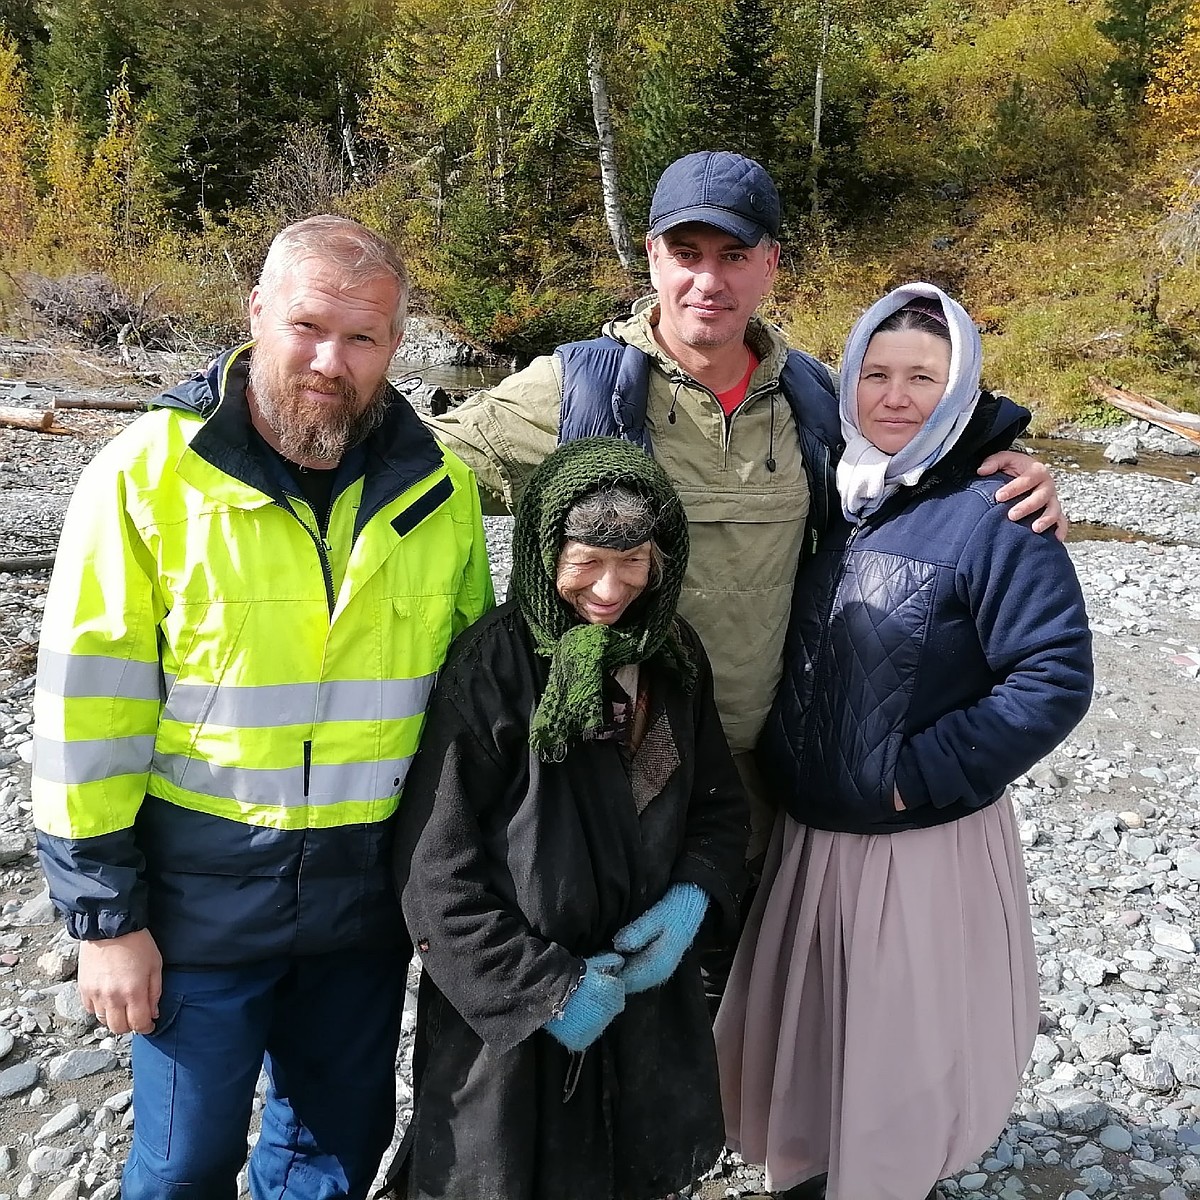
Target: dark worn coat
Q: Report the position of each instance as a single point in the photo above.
(513, 870)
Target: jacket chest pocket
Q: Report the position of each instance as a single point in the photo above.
(415, 632)
(746, 540)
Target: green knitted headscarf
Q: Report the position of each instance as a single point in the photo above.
(572, 706)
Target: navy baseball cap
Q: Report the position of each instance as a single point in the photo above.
(717, 187)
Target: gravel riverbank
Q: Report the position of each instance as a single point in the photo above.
(1111, 825)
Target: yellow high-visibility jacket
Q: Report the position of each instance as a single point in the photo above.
(227, 700)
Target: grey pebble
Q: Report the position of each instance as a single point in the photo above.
(1114, 1137)
(69, 1006)
(67, 1118)
(18, 1079)
(1148, 1071)
(48, 1160)
(1097, 1178)
(1150, 1171)
(76, 1064)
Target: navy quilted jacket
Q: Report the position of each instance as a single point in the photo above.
(937, 647)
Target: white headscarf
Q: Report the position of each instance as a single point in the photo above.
(867, 476)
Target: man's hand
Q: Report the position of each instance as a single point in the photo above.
(1031, 479)
(120, 980)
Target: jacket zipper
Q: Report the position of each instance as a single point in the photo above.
(727, 421)
(324, 550)
(818, 495)
(818, 661)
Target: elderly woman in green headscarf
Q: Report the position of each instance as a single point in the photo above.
(573, 827)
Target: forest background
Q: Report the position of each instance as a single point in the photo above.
(1039, 159)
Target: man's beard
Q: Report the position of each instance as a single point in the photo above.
(314, 430)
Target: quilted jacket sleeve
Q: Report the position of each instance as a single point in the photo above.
(1022, 592)
(718, 825)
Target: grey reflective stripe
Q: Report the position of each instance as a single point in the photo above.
(75, 675)
(91, 761)
(297, 703)
(284, 788)
(365, 700)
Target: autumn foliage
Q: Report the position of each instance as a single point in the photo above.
(1037, 156)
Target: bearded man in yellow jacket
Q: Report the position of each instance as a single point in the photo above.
(256, 585)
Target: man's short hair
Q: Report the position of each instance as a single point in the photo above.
(357, 255)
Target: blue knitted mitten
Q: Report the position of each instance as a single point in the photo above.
(598, 997)
(657, 940)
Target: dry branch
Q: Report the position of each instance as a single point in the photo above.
(100, 405)
(95, 308)
(1146, 408)
(124, 374)
(39, 562)
(39, 420)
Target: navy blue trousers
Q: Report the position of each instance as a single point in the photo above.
(326, 1029)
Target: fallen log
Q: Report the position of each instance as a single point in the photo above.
(39, 420)
(1146, 408)
(37, 562)
(100, 405)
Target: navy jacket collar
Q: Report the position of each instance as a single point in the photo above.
(400, 453)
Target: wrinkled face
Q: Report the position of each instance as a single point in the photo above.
(320, 360)
(708, 283)
(903, 377)
(600, 583)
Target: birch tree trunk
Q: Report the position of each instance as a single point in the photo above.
(501, 119)
(347, 131)
(614, 213)
(814, 168)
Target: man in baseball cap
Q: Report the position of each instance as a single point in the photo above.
(713, 249)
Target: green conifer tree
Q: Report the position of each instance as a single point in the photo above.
(736, 98)
(1139, 29)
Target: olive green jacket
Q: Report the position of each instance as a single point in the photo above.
(746, 521)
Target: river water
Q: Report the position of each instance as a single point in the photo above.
(452, 378)
(1071, 455)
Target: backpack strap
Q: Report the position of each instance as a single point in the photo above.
(605, 385)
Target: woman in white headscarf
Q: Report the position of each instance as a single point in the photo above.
(883, 1003)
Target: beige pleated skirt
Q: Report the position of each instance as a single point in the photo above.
(882, 1005)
